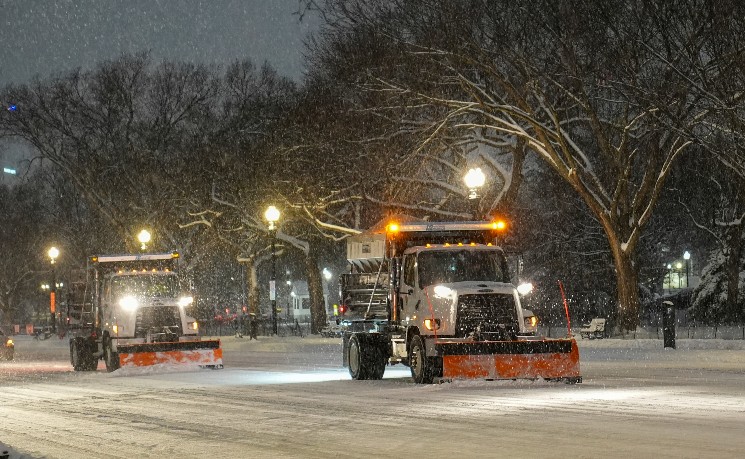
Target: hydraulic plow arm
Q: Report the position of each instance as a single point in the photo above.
(548, 359)
(203, 353)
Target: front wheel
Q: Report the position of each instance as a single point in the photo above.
(110, 357)
(422, 370)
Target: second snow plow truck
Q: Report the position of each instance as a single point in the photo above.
(131, 311)
(437, 297)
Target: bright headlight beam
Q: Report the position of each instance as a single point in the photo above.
(525, 288)
(129, 303)
(442, 292)
(185, 301)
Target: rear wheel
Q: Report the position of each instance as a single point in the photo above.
(75, 357)
(110, 357)
(366, 357)
(422, 370)
(81, 356)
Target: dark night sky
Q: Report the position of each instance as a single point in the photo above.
(45, 37)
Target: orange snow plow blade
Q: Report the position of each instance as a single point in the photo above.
(202, 353)
(548, 359)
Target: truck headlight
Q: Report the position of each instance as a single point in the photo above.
(442, 291)
(185, 301)
(129, 303)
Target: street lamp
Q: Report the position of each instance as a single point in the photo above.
(327, 274)
(144, 238)
(669, 277)
(272, 216)
(679, 267)
(53, 254)
(474, 180)
(687, 258)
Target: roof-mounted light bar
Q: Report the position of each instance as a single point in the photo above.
(141, 257)
(497, 225)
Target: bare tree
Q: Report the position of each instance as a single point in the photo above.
(609, 108)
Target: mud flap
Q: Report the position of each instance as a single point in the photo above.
(547, 359)
(202, 353)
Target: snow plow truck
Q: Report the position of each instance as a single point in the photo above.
(130, 310)
(437, 297)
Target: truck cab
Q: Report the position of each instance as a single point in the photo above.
(145, 306)
(459, 291)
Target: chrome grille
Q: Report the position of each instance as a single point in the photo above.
(157, 319)
(493, 316)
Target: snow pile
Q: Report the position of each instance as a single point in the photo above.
(654, 344)
(161, 368)
(6, 450)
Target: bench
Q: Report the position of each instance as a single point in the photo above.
(595, 329)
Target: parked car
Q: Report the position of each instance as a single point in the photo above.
(7, 349)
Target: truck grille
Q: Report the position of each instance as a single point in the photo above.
(492, 316)
(156, 319)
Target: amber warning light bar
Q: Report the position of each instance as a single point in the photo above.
(497, 225)
(142, 257)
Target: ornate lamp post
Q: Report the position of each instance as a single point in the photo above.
(474, 180)
(687, 258)
(272, 217)
(53, 254)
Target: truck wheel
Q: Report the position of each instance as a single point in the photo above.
(378, 360)
(356, 358)
(421, 366)
(110, 357)
(75, 356)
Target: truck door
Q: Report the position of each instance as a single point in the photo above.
(410, 293)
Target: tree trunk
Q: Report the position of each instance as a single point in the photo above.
(315, 291)
(627, 280)
(732, 313)
(253, 289)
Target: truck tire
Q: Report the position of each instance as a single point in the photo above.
(75, 355)
(421, 366)
(366, 357)
(81, 356)
(356, 358)
(110, 357)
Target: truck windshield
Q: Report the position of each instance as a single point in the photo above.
(447, 266)
(148, 285)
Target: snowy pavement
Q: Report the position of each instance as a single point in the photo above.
(288, 397)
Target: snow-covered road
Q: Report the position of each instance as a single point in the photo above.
(288, 397)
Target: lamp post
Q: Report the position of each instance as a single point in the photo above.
(679, 267)
(272, 216)
(53, 254)
(687, 258)
(144, 238)
(669, 277)
(474, 180)
(327, 274)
